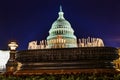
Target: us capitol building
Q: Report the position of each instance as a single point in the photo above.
(62, 53)
(61, 35)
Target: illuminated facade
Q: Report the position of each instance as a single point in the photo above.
(4, 56)
(63, 53)
(61, 35)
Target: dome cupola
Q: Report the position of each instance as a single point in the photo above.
(61, 34)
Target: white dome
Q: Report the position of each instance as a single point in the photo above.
(61, 27)
(61, 23)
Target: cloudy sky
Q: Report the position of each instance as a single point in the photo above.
(27, 20)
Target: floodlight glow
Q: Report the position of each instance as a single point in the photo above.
(4, 56)
(13, 45)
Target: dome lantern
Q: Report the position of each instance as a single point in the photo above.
(61, 13)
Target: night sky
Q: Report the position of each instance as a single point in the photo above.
(27, 20)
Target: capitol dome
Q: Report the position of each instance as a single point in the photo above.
(61, 34)
(61, 23)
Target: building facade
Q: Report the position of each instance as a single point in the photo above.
(61, 35)
(63, 53)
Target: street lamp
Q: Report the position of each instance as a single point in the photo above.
(11, 65)
(13, 45)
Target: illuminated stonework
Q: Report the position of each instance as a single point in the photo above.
(72, 55)
(90, 42)
(61, 35)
